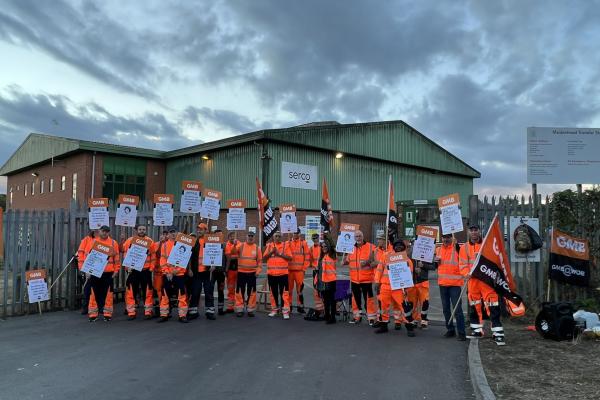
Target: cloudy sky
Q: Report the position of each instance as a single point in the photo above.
(471, 75)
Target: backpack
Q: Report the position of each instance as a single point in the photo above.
(526, 239)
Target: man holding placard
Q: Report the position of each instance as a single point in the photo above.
(467, 256)
(297, 268)
(278, 255)
(138, 263)
(86, 242)
(422, 252)
(361, 263)
(174, 257)
(102, 264)
(200, 278)
(214, 263)
(232, 254)
(249, 266)
(392, 279)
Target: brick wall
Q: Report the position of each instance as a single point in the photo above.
(155, 178)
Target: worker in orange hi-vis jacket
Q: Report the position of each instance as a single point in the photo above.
(157, 277)
(81, 254)
(173, 283)
(232, 253)
(361, 263)
(315, 253)
(139, 283)
(278, 255)
(249, 266)
(101, 298)
(297, 268)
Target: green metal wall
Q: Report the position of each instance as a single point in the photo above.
(354, 184)
(233, 171)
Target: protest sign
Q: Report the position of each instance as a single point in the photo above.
(211, 204)
(190, 197)
(137, 254)
(450, 217)
(96, 260)
(181, 251)
(98, 212)
(398, 271)
(213, 250)
(163, 209)
(346, 241)
(236, 217)
(424, 246)
(127, 210)
(37, 288)
(287, 220)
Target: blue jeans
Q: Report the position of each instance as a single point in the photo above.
(450, 296)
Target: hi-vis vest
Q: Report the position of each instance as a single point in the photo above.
(359, 274)
(249, 258)
(300, 255)
(201, 266)
(149, 263)
(277, 265)
(114, 259)
(328, 269)
(315, 252)
(468, 254)
(449, 273)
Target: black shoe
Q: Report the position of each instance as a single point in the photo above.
(462, 337)
(221, 312)
(162, 319)
(93, 319)
(382, 329)
(499, 340)
(131, 318)
(250, 314)
(301, 310)
(331, 321)
(192, 316)
(148, 316)
(398, 327)
(107, 319)
(183, 320)
(449, 334)
(229, 311)
(410, 330)
(211, 317)
(240, 314)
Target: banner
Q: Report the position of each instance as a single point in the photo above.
(163, 209)
(299, 176)
(190, 197)
(326, 210)
(211, 204)
(398, 271)
(96, 260)
(450, 217)
(346, 241)
(213, 250)
(424, 246)
(236, 217)
(569, 259)
(127, 210)
(137, 254)
(492, 266)
(266, 216)
(37, 288)
(181, 251)
(392, 219)
(98, 212)
(287, 220)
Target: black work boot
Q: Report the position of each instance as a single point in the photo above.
(410, 330)
(210, 316)
(449, 334)
(301, 310)
(383, 328)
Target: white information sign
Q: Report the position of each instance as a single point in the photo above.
(515, 256)
(299, 176)
(346, 241)
(563, 155)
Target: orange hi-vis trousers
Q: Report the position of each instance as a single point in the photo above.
(139, 284)
(396, 299)
(480, 294)
(319, 306)
(280, 296)
(419, 297)
(101, 298)
(172, 287)
(245, 294)
(360, 292)
(296, 280)
(232, 277)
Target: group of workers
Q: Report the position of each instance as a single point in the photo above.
(164, 286)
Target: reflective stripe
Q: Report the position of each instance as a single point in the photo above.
(498, 329)
(476, 326)
(450, 276)
(492, 303)
(474, 303)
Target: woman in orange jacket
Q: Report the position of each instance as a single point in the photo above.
(327, 276)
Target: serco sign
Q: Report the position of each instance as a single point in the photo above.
(299, 176)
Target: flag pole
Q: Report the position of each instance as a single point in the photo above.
(462, 291)
(387, 219)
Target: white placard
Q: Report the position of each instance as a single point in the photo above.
(288, 222)
(515, 256)
(400, 275)
(563, 155)
(180, 255)
(213, 255)
(126, 215)
(236, 219)
(299, 176)
(97, 217)
(424, 249)
(451, 220)
(190, 202)
(313, 225)
(136, 257)
(95, 263)
(37, 289)
(346, 241)
(163, 214)
(210, 208)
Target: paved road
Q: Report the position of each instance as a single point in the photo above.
(60, 355)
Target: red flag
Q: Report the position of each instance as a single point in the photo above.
(392, 219)
(492, 266)
(266, 217)
(326, 210)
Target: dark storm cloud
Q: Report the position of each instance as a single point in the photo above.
(225, 119)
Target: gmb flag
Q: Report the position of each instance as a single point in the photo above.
(266, 216)
(392, 219)
(492, 266)
(569, 259)
(326, 211)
